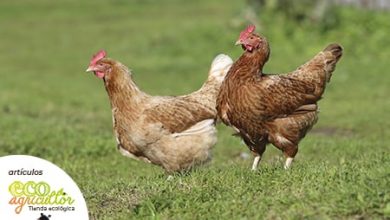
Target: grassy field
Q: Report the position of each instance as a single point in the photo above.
(51, 108)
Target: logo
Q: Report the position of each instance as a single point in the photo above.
(31, 186)
(32, 194)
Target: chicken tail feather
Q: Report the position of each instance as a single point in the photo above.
(220, 66)
(335, 49)
(333, 53)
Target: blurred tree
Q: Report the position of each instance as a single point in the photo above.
(319, 15)
(311, 12)
(369, 4)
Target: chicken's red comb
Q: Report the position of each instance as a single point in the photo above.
(250, 28)
(98, 56)
(245, 33)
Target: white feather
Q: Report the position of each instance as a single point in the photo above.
(200, 127)
(220, 66)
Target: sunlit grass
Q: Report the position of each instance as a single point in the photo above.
(51, 108)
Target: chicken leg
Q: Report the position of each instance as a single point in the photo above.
(290, 152)
(258, 153)
(256, 162)
(287, 165)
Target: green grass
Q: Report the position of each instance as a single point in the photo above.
(51, 108)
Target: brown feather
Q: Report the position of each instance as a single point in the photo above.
(176, 133)
(277, 109)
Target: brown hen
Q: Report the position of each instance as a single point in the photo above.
(277, 109)
(176, 133)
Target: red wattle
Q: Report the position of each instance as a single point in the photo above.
(99, 74)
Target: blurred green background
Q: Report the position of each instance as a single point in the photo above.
(51, 108)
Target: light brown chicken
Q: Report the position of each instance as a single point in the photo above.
(176, 133)
(277, 109)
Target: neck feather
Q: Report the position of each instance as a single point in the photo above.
(121, 89)
(249, 65)
(257, 58)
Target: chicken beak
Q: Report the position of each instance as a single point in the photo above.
(238, 42)
(90, 69)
